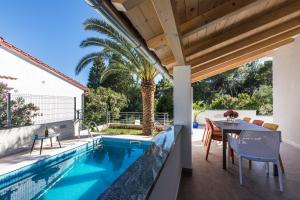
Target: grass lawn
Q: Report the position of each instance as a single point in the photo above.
(122, 131)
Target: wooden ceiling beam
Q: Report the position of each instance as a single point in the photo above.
(230, 66)
(233, 61)
(280, 32)
(266, 44)
(157, 42)
(168, 60)
(228, 9)
(165, 12)
(125, 5)
(284, 13)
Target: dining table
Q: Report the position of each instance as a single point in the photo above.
(236, 127)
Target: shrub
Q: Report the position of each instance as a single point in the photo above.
(100, 101)
(21, 112)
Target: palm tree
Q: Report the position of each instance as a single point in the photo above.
(120, 56)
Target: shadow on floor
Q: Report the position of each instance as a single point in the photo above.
(210, 182)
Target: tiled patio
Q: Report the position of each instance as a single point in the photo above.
(211, 182)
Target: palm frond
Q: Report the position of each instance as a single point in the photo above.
(119, 59)
(117, 52)
(108, 45)
(86, 60)
(103, 27)
(113, 69)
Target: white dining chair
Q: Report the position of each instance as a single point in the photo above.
(261, 146)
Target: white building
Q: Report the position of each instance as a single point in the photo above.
(48, 89)
(25, 74)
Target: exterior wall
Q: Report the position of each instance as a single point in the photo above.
(32, 79)
(286, 91)
(167, 185)
(183, 110)
(218, 115)
(19, 139)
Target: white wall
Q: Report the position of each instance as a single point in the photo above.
(286, 91)
(33, 80)
(19, 139)
(219, 115)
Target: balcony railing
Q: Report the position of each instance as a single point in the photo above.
(137, 118)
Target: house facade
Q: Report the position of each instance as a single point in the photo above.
(56, 96)
(25, 74)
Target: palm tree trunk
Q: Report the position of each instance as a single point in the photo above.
(148, 90)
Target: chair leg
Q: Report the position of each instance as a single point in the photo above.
(204, 133)
(279, 175)
(208, 147)
(32, 146)
(228, 154)
(241, 169)
(206, 139)
(281, 164)
(250, 164)
(267, 167)
(232, 156)
(58, 141)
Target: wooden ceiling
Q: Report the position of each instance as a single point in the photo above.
(212, 36)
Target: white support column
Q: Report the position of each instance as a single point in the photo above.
(183, 111)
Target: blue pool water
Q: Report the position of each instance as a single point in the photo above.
(84, 175)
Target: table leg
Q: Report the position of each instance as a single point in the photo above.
(51, 141)
(32, 146)
(224, 148)
(58, 141)
(41, 147)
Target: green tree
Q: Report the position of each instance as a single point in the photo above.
(245, 102)
(264, 100)
(118, 82)
(224, 102)
(164, 97)
(134, 96)
(96, 72)
(100, 101)
(122, 57)
(238, 88)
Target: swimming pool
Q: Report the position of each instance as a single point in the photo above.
(82, 173)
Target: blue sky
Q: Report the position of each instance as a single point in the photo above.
(48, 30)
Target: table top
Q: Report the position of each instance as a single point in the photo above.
(41, 137)
(240, 125)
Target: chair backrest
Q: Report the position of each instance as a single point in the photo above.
(259, 144)
(258, 122)
(271, 126)
(247, 119)
(208, 124)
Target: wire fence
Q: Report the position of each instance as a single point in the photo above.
(27, 109)
(136, 118)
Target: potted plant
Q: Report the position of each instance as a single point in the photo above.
(195, 122)
(198, 107)
(231, 115)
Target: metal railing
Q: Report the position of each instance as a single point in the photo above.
(136, 118)
(18, 110)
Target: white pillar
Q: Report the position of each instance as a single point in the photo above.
(183, 111)
(286, 91)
